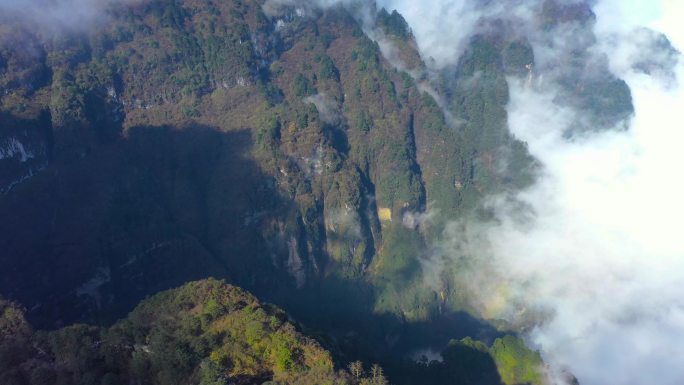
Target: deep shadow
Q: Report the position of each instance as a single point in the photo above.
(339, 313)
(85, 240)
(461, 364)
(90, 236)
(25, 148)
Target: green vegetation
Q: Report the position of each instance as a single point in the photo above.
(328, 69)
(518, 58)
(205, 332)
(303, 87)
(364, 121)
(394, 24)
(468, 361)
(516, 363)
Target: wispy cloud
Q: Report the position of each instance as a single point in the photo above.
(56, 15)
(592, 273)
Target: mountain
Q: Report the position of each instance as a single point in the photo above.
(209, 332)
(205, 332)
(306, 154)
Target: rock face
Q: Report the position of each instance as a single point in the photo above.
(24, 149)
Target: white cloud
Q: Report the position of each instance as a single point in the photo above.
(60, 14)
(603, 258)
(605, 252)
(443, 28)
(595, 275)
(326, 106)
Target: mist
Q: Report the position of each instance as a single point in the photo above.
(591, 273)
(604, 255)
(60, 15)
